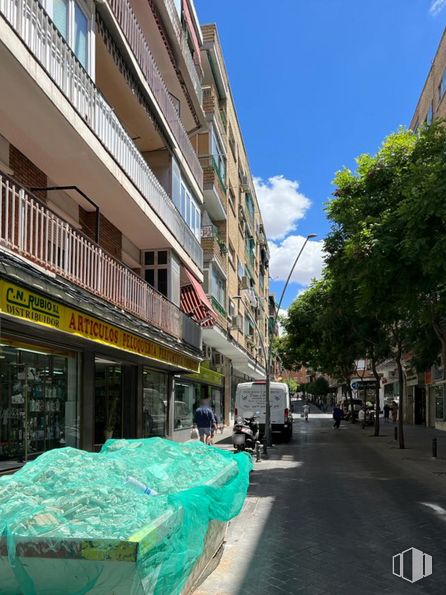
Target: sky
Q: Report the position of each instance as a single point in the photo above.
(316, 83)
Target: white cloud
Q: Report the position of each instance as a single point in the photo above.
(282, 205)
(282, 255)
(437, 6)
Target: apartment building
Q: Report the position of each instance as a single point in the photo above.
(425, 399)
(432, 101)
(234, 245)
(101, 197)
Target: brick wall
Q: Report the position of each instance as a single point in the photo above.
(26, 173)
(110, 238)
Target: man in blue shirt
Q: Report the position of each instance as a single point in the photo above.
(204, 420)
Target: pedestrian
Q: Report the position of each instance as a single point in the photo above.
(386, 412)
(361, 417)
(337, 416)
(306, 411)
(204, 420)
(394, 409)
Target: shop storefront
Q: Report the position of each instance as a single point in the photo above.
(39, 406)
(189, 390)
(70, 378)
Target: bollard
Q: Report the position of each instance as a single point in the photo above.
(258, 458)
(395, 432)
(434, 448)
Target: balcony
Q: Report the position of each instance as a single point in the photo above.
(213, 111)
(39, 34)
(214, 188)
(140, 48)
(28, 228)
(213, 247)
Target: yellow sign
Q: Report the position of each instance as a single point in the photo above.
(27, 305)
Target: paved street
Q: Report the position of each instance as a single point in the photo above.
(326, 513)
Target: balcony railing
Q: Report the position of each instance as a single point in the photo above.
(30, 229)
(209, 162)
(192, 69)
(174, 17)
(33, 25)
(129, 25)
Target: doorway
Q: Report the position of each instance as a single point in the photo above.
(420, 405)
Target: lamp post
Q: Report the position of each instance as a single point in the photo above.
(267, 353)
(270, 349)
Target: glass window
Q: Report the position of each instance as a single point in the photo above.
(176, 185)
(162, 281)
(187, 397)
(80, 35)
(442, 86)
(430, 114)
(438, 392)
(150, 277)
(40, 386)
(218, 157)
(217, 404)
(218, 289)
(155, 399)
(149, 258)
(60, 16)
(162, 257)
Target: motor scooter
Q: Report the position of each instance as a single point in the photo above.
(245, 434)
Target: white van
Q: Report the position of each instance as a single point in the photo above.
(250, 400)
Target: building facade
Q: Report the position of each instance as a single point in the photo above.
(234, 244)
(426, 393)
(101, 201)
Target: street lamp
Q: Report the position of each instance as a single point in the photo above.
(267, 353)
(270, 348)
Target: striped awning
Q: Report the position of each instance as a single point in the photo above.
(195, 302)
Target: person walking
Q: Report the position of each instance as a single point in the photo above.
(204, 420)
(306, 411)
(386, 412)
(337, 416)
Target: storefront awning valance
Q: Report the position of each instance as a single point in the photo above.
(195, 302)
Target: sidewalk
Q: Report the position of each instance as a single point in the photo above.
(418, 446)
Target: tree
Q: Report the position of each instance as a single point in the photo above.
(320, 331)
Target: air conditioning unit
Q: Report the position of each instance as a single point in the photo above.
(207, 352)
(237, 322)
(245, 183)
(245, 282)
(218, 359)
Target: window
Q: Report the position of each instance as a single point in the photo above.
(442, 86)
(438, 392)
(231, 254)
(232, 199)
(155, 397)
(184, 201)
(218, 157)
(430, 114)
(240, 270)
(218, 287)
(156, 266)
(187, 399)
(250, 205)
(74, 24)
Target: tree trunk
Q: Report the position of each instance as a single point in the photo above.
(350, 396)
(400, 406)
(377, 408)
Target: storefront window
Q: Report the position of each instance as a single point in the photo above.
(217, 404)
(38, 401)
(155, 398)
(187, 398)
(438, 392)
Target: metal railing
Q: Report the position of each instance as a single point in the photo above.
(192, 69)
(209, 161)
(38, 32)
(30, 229)
(174, 17)
(129, 25)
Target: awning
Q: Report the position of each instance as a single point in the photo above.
(195, 302)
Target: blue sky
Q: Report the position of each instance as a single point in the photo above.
(317, 82)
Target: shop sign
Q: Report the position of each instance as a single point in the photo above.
(207, 376)
(27, 305)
